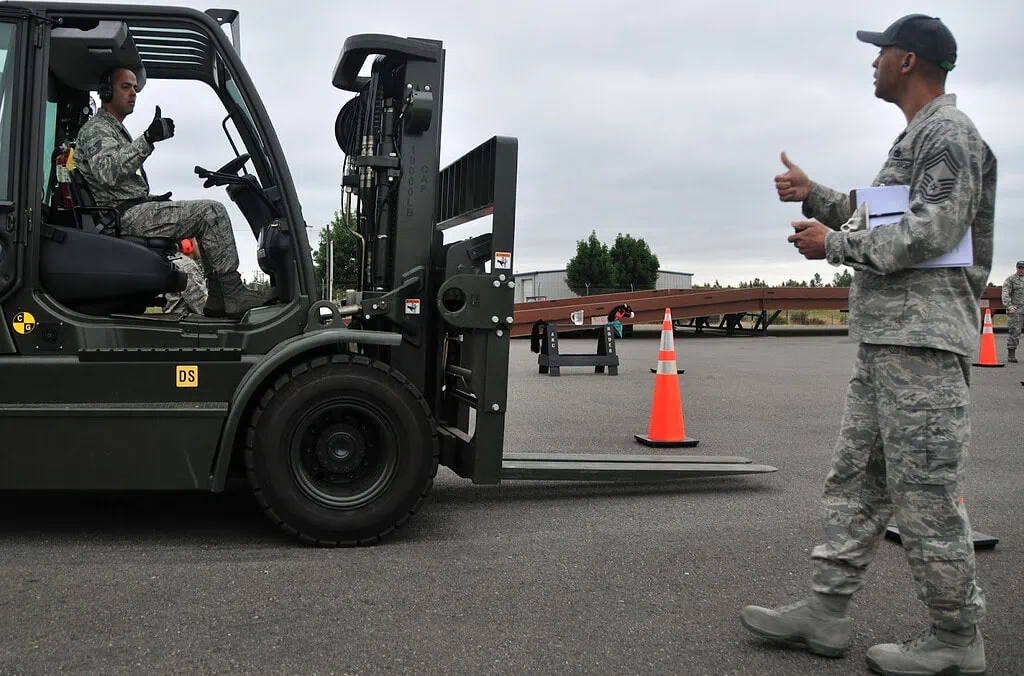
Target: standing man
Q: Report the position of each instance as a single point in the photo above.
(1013, 299)
(111, 164)
(903, 442)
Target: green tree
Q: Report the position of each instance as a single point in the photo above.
(591, 268)
(844, 278)
(636, 268)
(817, 282)
(347, 250)
(755, 283)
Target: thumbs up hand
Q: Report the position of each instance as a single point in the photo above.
(159, 129)
(793, 185)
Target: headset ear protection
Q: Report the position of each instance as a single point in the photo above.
(105, 89)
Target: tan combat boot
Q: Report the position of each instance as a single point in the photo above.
(807, 624)
(934, 653)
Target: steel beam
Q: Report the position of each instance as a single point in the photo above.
(649, 306)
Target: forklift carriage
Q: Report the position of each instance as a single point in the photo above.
(336, 414)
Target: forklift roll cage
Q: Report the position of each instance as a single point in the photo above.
(127, 400)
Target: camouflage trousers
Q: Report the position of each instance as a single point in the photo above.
(193, 299)
(902, 451)
(1013, 326)
(206, 220)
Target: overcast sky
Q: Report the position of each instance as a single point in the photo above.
(664, 122)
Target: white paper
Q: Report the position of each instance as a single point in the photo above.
(886, 205)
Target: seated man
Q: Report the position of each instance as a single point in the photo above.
(111, 164)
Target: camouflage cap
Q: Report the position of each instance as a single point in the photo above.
(1020, 264)
(921, 34)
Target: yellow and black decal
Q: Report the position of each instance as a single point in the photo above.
(186, 376)
(24, 323)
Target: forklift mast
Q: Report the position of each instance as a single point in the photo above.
(452, 303)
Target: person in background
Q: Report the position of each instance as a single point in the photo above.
(1013, 299)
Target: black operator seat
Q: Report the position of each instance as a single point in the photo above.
(90, 269)
(97, 274)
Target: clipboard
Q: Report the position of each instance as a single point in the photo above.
(886, 205)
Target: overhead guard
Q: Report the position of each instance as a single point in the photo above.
(358, 48)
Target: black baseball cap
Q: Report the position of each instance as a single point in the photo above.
(924, 35)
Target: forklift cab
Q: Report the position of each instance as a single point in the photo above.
(65, 261)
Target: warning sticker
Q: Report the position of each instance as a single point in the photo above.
(412, 306)
(24, 323)
(503, 260)
(186, 376)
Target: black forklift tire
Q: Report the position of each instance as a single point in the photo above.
(341, 450)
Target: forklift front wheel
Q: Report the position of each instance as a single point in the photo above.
(341, 450)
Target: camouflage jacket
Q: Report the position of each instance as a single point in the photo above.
(1013, 291)
(951, 172)
(110, 161)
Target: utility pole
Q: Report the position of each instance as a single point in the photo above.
(330, 261)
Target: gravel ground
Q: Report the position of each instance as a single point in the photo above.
(526, 577)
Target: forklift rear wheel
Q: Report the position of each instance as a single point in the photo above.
(341, 451)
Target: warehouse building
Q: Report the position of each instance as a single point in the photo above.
(551, 284)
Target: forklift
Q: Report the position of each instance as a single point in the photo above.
(337, 415)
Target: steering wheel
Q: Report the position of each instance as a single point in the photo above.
(234, 165)
(231, 167)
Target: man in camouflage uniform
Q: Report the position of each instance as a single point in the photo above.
(903, 442)
(111, 164)
(193, 299)
(1013, 299)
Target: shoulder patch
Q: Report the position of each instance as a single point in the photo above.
(941, 171)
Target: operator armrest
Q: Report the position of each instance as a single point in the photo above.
(113, 218)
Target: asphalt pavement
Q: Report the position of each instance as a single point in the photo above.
(526, 577)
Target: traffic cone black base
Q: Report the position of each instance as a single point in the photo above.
(981, 540)
(687, 442)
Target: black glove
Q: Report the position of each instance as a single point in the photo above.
(159, 129)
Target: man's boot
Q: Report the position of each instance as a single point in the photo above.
(935, 652)
(1013, 356)
(229, 297)
(818, 623)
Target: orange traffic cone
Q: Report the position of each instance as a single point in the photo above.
(987, 354)
(666, 428)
